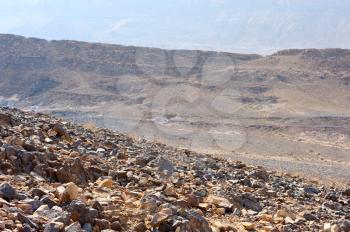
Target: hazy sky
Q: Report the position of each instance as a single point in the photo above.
(260, 26)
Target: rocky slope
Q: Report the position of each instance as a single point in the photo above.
(57, 176)
(288, 111)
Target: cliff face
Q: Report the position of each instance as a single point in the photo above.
(57, 176)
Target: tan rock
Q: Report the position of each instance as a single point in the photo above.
(170, 191)
(74, 154)
(225, 226)
(285, 212)
(161, 216)
(220, 211)
(203, 205)
(335, 228)
(105, 183)
(27, 208)
(288, 220)
(265, 217)
(219, 202)
(68, 192)
(327, 227)
(5, 120)
(192, 200)
(140, 227)
(268, 228)
(248, 225)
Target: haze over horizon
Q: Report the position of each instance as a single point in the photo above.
(233, 26)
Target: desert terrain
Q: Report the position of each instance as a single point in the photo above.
(288, 111)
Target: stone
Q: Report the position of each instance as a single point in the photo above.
(327, 227)
(42, 210)
(161, 216)
(48, 201)
(80, 212)
(74, 227)
(64, 217)
(61, 132)
(68, 192)
(25, 220)
(140, 227)
(37, 192)
(312, 190)
(108, 182)
(260, 174)
(248, 201)
(97, 205)
(220, 211)
(197, 222)
(219, 202)
(55, 214)
(288, 220)
(149, 203)
(170, 191)
(100, 151)
(122, 155)
(310, 216)
(165, 166)
(347, 192)
(345, 225)
(7, 192)
(248, 225)
(5, 120)
(285, 212)
(116, 226)
(87, 227)
(72, 171)
(219, 225)
(193, 201)
(265, 217)
(335, 228)
(102, 224)
(54, 227)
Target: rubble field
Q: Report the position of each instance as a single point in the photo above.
(57, 176)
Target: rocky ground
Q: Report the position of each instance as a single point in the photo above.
(56, 176)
